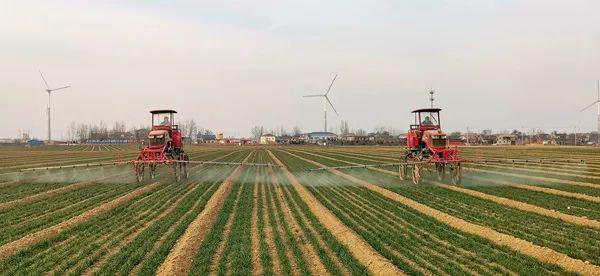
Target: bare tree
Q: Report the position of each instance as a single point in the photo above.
(296, 131)
(119, 127)
(361, 132)
(379, 129)
(192, 129)
(344, 128)
(257, 131)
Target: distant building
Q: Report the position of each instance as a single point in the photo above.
(320, 137)
(506, 140)
(268, 139)
(35, 142)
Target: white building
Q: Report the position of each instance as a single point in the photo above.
(268, 139)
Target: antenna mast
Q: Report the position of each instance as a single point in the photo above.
(431, 98)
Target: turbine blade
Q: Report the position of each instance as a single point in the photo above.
(592, 104)
(60, 88)
(330, 85)
(327, 98)
(47, 87)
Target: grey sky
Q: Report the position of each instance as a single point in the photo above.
(233, 64)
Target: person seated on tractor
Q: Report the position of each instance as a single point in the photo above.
(427, 121)
(165, 122)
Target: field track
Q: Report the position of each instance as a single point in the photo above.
(532, 218)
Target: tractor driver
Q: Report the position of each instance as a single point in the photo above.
(165, 122)
(427, 121)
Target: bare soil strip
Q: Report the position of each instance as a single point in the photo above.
(541, 189)
(541, 253)
(111, 251)
(269, 235)
(361, 250)
(257, 268)
(214, 266)
(179, 261)
(60, 190)
(559, 181)
(522, 206)
(12, 247)
(315, 265)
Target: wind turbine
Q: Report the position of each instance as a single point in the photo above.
(325, 101)
(48, 110)
(592, 104)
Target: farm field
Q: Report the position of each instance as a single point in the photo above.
(531, 218)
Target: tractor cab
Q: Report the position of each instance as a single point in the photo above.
(164, 130)
(426, 132)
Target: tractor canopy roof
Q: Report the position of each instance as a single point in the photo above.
(161, 111)
(159, 132)
(427, 110)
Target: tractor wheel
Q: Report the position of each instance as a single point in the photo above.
(402, 171)
(139, 172)
(176, 169)
(416, 173)
(456, 174)
(152, 171)
(441, 171)
(184, 168)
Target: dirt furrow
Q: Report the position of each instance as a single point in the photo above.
(541, 253)
(257, 268)
(546, 190)
(361, 250)
(12, 247)
(179, 260)
(522, 206)
(315, 265)
(554, 180)
(217, 257)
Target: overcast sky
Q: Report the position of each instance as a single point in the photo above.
(232, 64)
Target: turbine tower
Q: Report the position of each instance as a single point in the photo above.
(49, 90)
(598, 114)
(325, 101)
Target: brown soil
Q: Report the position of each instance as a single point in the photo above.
(134, 234)
(541, 253)
(541, 189)
(269, 235)
(217, 257)
(559, 181)
(523, 206)
(12, 247)
(257, 268)
(360, 249)
(180, 259)
(308, 252)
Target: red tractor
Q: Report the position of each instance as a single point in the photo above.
(428, 148)
(165, 147)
